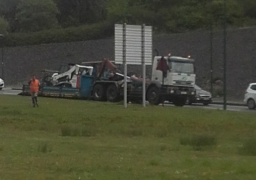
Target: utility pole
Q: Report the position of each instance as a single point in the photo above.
(2, 53)
(224, 55)
(211, 48)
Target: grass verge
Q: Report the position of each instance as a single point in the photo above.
(75, 139)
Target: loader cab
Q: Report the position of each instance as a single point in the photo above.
(95, 65)
(84, 70)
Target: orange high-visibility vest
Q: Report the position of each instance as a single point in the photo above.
(34, 85)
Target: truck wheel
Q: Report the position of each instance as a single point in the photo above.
(251, 104)
(179, 101)
(112, 93)
(189, 101)
(153, 96)
(205, 103)
(99, 93)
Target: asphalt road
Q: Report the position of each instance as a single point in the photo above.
(9, 91)
(218, 106)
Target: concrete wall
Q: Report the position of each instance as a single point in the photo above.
(22, 62)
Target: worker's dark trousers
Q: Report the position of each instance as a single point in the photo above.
(34, 101)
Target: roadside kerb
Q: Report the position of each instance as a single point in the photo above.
(229, 102)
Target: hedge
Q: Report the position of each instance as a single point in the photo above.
(82, 33)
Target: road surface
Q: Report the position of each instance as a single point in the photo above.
(9, 91)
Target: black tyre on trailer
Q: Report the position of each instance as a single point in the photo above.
(99, 93)
(113, 94)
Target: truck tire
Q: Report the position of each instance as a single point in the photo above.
(99, 93)
(189, 101)
(179, 101)
(112, 93)
(205, 103)
(153, 95)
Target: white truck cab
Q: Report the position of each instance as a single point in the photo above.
(172, 80)
(181, 71)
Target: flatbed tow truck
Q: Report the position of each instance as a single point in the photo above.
(172, 80)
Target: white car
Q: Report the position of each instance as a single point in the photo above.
(1, 84)
(250, 96)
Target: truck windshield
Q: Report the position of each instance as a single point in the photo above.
(181, 67)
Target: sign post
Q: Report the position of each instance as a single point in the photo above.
(143, 65)
(133, 45)
(125, 65)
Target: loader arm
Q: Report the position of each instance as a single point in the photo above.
(105, 64)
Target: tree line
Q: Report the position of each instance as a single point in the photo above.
(28, 16)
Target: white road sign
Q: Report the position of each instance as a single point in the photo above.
(131, 37)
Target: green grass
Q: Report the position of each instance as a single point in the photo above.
(74, 139)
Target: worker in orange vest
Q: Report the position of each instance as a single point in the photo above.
(34, 88)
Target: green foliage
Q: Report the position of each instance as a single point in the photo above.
(186, 17)
(164, 15)
(248, 17)
(8, 9)
(36, 15)
(82, 33)
(4, 26)
(117, 10)
(77, 12)
(234, 12)
(249, 7)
